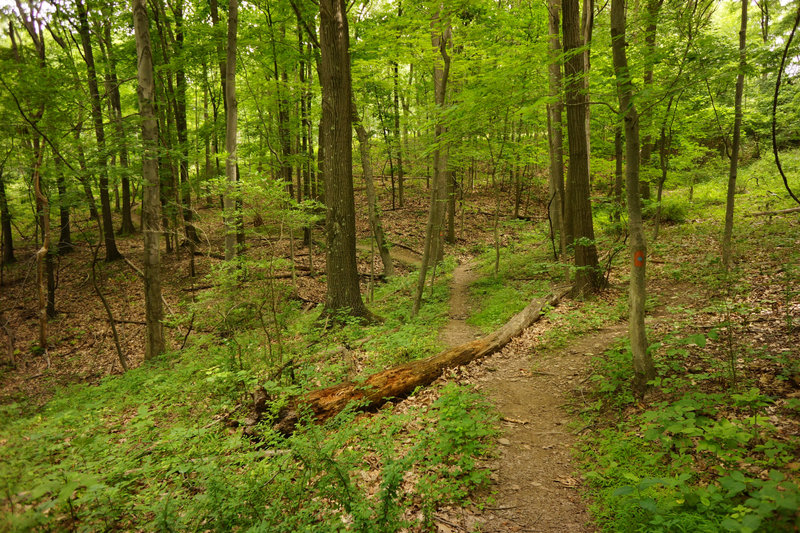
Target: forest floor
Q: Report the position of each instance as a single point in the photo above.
(560, 389)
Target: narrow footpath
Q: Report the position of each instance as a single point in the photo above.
(533, 477)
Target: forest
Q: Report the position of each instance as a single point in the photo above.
(400, 265)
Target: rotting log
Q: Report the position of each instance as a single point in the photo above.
(401, 380)
(771, 213)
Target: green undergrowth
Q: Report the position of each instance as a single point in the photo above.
(159, 448)
(714, 447)
(701, 456)
(526, 269)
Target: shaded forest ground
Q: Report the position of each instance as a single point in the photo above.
(81, 342)
(165, 440)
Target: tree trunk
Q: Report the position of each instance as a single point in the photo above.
(555, 132)
(372, 204)
(735, 142)
(643, 368)
(587, 25)
(343, 291)
(588, 277)
(83, 177)
(440, 38)
(231, 118)
(151, 204)
(112, 89)
(65, 237)
(112, 254)
(43, 214)
(399, 381)
(618, 174)
(650, 34)
(185, 196)
(396, 132)
(5, 225)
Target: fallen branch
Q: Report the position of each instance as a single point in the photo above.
(401, 380)
(778, 212)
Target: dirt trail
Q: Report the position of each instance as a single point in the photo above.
(533, 481)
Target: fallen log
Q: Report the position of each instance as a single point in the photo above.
(401, 380)
(771, 213)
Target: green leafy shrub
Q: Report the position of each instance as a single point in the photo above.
(674, 210)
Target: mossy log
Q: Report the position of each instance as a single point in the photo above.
(401, 380)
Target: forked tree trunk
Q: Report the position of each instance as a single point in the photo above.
(372, 204)
(643, 368)
(400, 381)
(151, 202)
(735, 142)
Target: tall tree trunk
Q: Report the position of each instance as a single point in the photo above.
(343, 291)
(618, 173)
(180, 123)
(587, 25)
(440, 38)
(555, 131)
(643, 368)
(84, 177)
(736, 141)
(112, 254)
(578, 204)
(43, 214)
(65, 238)
(112, 89)
(151, 203)
(396, 133)
(5, 225)
(231, 118)
(372, 202)
(650, 34)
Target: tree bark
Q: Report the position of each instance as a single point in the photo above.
(555, 132)
(399, 381)
(180, 124)
(112, 254)
(43, 213)
(643, 368)
(231, 119)
(343, 291)
(396, 132)
(5, 225)
(372, 204)
(618, 172)
(112, 89)
(736, 141)
(65, 235)
(440, 38)
(151, 203)
(578, 207)
(650, 34)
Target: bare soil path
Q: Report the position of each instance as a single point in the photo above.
(533, 476)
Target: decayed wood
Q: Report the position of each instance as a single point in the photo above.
(778, 212)
(401, 380)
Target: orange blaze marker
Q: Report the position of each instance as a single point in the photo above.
(638, 258)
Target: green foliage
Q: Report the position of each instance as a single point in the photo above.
(674, 210)
(695, 462)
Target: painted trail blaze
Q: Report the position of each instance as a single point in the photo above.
(638, 258)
